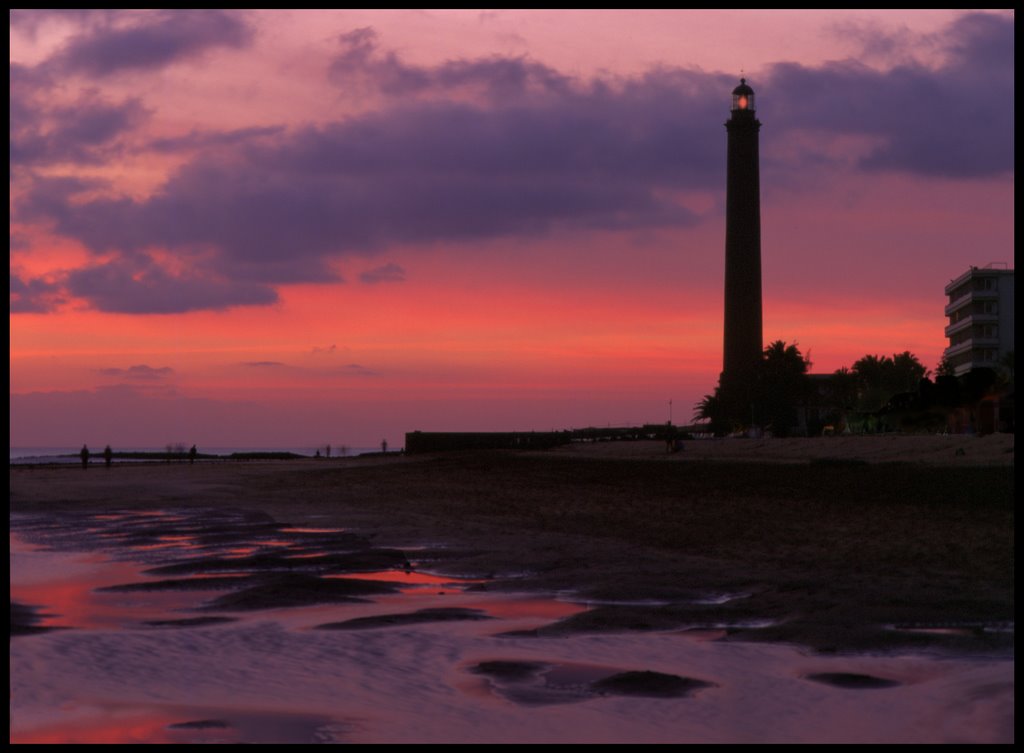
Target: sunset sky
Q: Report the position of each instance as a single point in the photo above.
(293, 228)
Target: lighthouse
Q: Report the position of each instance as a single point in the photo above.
(743, 335)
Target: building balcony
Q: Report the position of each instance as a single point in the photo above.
(971, 297)
(990, 341)
(976, 362)
(954, 350)
(957, 327)
(959, 303)
(958, 281)
(969, 321)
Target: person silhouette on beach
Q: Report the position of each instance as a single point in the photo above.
(108, 455)
(192, 455)
(84, 454)
(384, 446)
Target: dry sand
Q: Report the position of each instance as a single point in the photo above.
(837, 546)
(941, 450)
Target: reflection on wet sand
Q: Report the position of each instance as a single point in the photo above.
(68, 588)
(113, 724)
(168, 636)
(109, 572)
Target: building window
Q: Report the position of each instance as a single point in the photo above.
(986, 355)
(985, 283)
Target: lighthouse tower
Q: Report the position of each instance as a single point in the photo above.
(743, 336)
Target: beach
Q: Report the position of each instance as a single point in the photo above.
(835, 589)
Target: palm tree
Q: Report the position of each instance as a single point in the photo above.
(782, 386)
(945, 368)
(710, 409)
(907, 372)
(881, 377)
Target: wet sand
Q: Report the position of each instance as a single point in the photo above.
(828, 568)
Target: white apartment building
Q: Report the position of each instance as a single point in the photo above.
(979, 308)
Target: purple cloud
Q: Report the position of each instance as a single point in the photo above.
(388, 273)
(274, 210)
(33, 296)
(131, 288)
(195, 139)
(355, 369)
(529, 152)
(87, 131)
(956, 120)
(496, 77)
(140, 372)
(146, 40)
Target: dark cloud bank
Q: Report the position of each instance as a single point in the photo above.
(468, 149)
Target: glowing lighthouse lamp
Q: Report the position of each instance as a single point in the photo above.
(743, 97)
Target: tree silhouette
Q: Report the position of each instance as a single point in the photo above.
(779, 387)
(879, 378)
(712, 410)
(782, 387)
(945, 368)
(907, 372)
